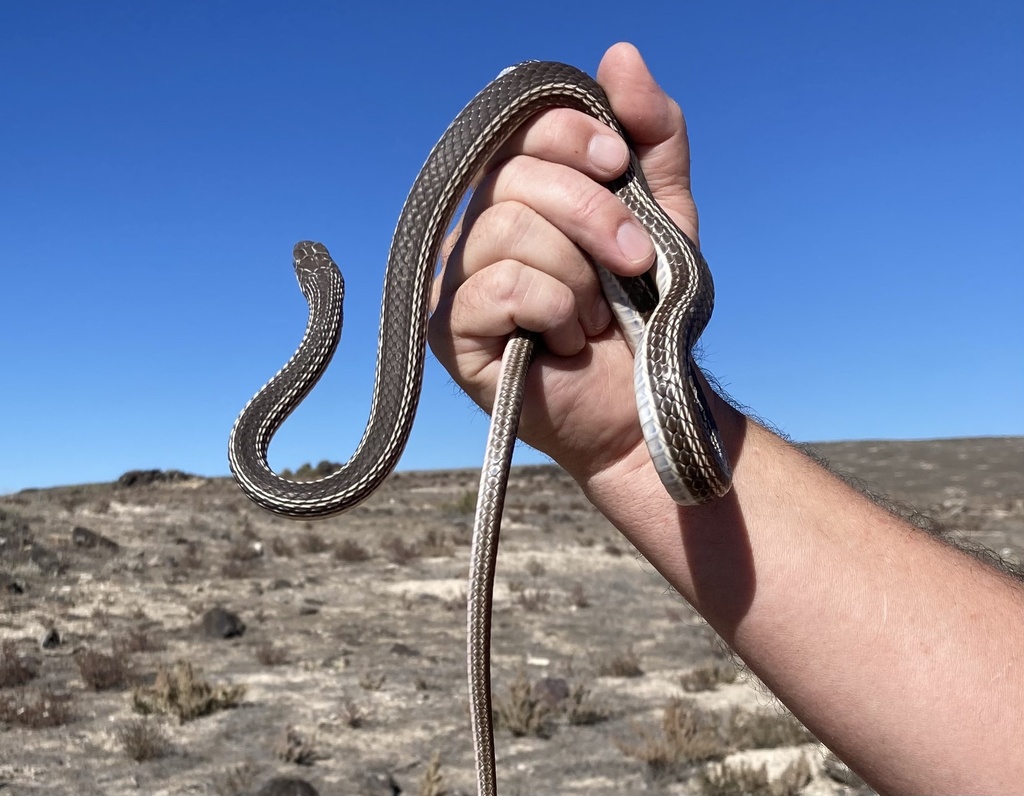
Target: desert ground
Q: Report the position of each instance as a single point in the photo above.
(160, 635)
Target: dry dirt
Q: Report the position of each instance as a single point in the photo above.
(363, 660)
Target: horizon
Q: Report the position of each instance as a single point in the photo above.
(544, 462)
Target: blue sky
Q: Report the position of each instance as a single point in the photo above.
(858, 168)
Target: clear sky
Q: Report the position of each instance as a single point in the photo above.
(859, 169)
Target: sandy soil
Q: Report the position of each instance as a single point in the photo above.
(363, 660)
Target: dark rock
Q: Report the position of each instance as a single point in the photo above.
(398, 648)
(287, 786)
(550, 690)
(90, 540)
(280, 583)
(220, 623)
(50, 639)
(10, 585)
(146, 477)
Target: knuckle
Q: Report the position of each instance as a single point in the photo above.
(591, 205)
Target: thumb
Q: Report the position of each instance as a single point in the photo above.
(657, 129)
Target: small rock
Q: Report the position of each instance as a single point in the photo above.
(551, 690)
(10, 585)
(50, 639)
(398, 648)
(220, 623)
(90, 540)
(287, 786)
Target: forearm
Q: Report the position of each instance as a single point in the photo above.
(902, 654)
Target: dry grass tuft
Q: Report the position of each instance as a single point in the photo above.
(350, 551)
(397, 551)
(432, 783)
(102, 672)
(687, 735)
(520, 712)
(435, 544)
(581, 710)
(236, 780)
(35, 712)
(280, 548)
(624, 664)
(766, 729)
(180, 692)
(708, 676)
(292, 747)
(312, 543)
(14, 670)
(143, 740)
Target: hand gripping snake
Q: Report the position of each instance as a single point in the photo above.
(661, 315)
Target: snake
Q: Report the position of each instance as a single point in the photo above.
(661, 314)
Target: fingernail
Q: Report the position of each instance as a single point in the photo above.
(601, 315)
(607, 153)
(635, 243)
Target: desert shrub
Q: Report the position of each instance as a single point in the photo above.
(435, 544)
(623, 664)
(179, 691)
(687, 735)
(397, 551)
(292, 747)
(581, 710)
(280, 548)
(102, 672)
(14, 670)
(236, 780)
(350, 551)
(45, 708)
(142, 740)
(708, 676)
(766, 729)
(312, 542)
(520, 712)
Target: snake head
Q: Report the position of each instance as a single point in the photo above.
(315, 269)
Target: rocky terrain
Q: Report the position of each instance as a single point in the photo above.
(160, 635)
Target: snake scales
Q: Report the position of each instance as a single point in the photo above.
(661, 314)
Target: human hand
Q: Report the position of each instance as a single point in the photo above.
(521, 257)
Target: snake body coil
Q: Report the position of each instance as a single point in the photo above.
(661, 315)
